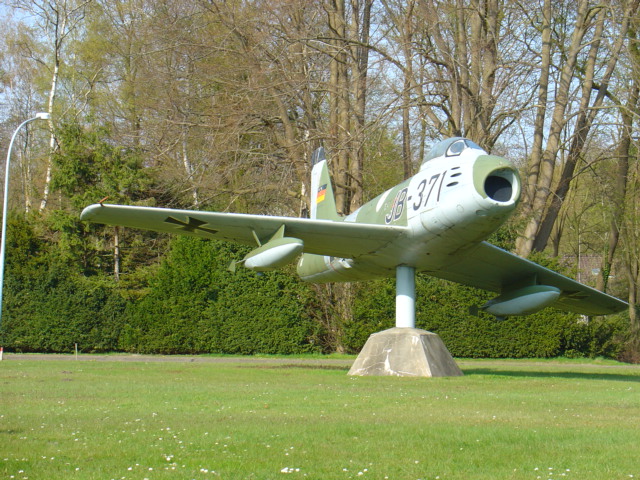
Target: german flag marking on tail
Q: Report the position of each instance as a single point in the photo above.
(322, 192)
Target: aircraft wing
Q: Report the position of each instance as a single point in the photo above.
(324, 237)
(488, 267)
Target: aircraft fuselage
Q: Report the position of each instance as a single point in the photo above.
(454, 202)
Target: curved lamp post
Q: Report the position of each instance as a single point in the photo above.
(39, 116)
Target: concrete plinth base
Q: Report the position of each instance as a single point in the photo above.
(405, 352)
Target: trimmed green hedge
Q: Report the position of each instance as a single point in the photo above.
(192, 304)
(443, 308)
(49, 307)
(195, 305)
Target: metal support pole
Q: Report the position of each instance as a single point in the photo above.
(405, 297)
(5, 208)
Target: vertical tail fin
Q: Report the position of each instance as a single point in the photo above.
(323, 203)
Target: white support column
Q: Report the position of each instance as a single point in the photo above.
(405, 297)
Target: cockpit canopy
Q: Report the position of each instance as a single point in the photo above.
(451, 147)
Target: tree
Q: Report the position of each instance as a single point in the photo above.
(56, 20)
(87, 169)
(544, 202)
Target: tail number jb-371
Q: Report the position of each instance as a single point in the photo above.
(425, 186)
(423, 199)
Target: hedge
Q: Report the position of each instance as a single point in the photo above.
(192, 304)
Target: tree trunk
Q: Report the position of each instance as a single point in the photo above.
(544, 177)
(116, 254)
(188, 168)
(533, 167)
(584, 122)
(26, 173)
(633, 277)
(360, 26)
(339, 115)
(623, 159)
(52, 138)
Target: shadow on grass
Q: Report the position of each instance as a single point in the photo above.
(619, 377)
(303, 366)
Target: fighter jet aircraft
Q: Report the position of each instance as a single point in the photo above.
(436, 222)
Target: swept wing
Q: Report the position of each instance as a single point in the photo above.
(491, 268)
(483, 266)
(324, 237)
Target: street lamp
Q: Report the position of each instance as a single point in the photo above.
(39, 116)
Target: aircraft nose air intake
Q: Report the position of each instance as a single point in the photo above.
(498, 188)
(496, 179)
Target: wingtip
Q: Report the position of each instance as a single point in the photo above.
(89, 212)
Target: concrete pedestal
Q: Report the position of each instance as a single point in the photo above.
(405, 352)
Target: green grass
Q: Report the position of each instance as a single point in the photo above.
(134, 420)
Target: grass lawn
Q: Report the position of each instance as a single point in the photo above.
(135, 420)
